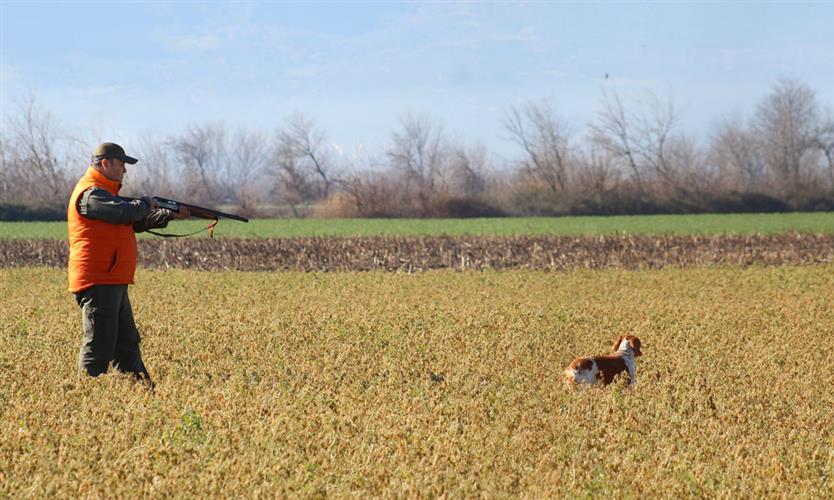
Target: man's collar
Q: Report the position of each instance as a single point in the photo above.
(100, 177)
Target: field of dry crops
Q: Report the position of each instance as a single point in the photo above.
(432, 384)
(410, 254)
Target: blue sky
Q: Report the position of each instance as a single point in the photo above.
(118, 71)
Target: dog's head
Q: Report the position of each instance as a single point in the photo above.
(633, 343)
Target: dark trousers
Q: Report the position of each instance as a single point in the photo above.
(110, 334)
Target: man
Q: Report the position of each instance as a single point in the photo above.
(102, 261)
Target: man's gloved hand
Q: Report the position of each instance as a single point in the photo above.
(184, 213)
(150, 202)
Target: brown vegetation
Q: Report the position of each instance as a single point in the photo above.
(430, 385)
(633, 158)
(410, 254)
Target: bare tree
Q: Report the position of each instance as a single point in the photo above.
(201, 149)
(371, 194)
(692, 176)
(786, 122)
(221, 167)
(305, 142)
(825, 142)
(656, 144)
(294, 184)
(419, 152)
(156, 173)
(7, 190)
(613, 132)
(468, 170)
(300, 165)
(735, 151)
(249, 153)
(595, 172)
(544, 139)
(32, 164)
(645, 142)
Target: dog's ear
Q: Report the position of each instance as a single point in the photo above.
(634, 342)
(617, 343)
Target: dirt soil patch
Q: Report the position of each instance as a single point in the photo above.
(413, 254)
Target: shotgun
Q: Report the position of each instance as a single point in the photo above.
(194, 210)
(199, 212)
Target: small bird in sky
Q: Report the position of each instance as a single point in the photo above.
(606, 76)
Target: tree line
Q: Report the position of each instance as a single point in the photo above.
(632, 158)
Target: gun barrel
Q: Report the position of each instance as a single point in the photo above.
(213, 213)
(196, 211)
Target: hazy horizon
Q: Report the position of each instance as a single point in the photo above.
(122, 71)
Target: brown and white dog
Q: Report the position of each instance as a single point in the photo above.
(603, 369)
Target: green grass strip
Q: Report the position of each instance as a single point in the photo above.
(817, 222)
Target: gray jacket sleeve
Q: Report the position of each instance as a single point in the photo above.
(97, 203)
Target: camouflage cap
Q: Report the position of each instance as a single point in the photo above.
(112, 150)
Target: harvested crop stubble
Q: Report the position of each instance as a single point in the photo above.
(440, 384)
(410, 254)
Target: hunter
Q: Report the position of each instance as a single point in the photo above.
(102, 261)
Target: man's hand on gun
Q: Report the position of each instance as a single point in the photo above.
(182, 213)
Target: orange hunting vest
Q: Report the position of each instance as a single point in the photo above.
(100, 253)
